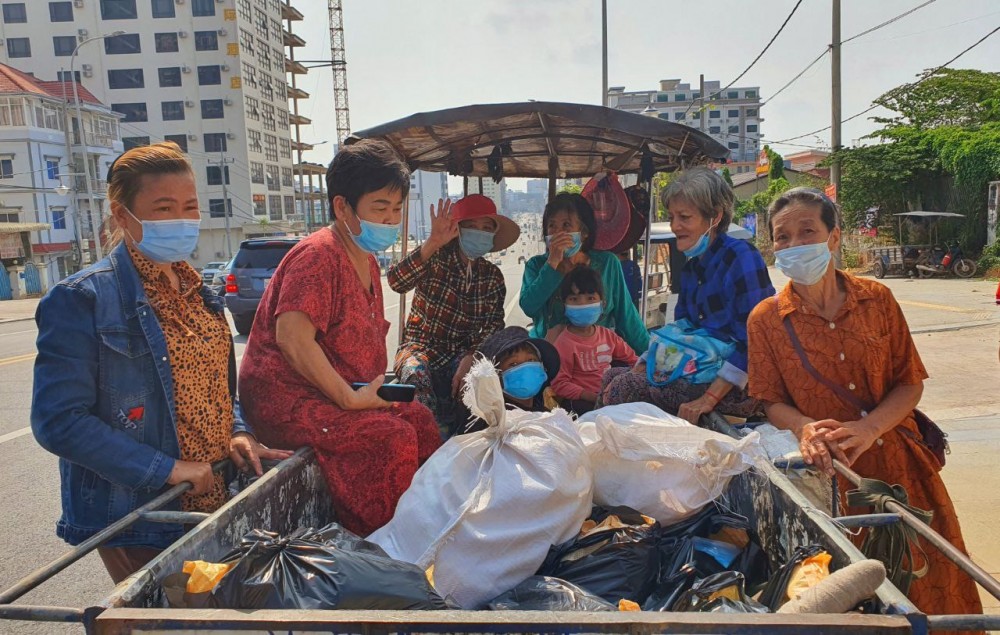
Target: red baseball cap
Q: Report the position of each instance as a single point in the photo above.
(479, 206)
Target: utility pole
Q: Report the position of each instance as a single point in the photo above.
(604, 53)
(835, 97)
(701, 106)
(77, 213)
(223, 164)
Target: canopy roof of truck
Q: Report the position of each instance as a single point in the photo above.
(541, 139)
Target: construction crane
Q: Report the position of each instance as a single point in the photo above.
(338, 61)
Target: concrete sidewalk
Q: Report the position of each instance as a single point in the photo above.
(18, 310)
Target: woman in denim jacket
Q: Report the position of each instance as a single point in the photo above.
(135, 375)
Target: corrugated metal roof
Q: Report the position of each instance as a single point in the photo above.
(16, 228)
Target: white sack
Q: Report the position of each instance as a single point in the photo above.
(486, 507)
(659, 464)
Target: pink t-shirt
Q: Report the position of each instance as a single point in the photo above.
(583, 360)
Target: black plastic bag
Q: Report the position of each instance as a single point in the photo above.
(720, 593)
(773, 595)
(541, 593)
(325, 569)
(615, 563)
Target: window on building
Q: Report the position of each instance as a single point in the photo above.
(260, 22)
(170, 76)
(734, 145)
(696, 115)
(249, 75)
(206, 40)
(289, 206)
(268, 113)
(266, 87)
(180, 139)
(733, 113)
(253, 108)
(135, 112)
(680, 97)
(715, 130)
(715, 114)
(220, 208)
(52, 169)
(14, 13)
(212, 109)
(18, 47)
(285, 148)
(60, 11)
(7, 171)
(202, 8)
(259, 204)
(679, 116)
(215, 142)
(243, 6)
(695, 95)
(751, 112)
(58, 218)
(254, 141)
(209, 75)
(286, 177)
(256, 172)
(64, 76)
(662, 97)
(164, 9)
(734, 129)
(126, 78)
(752, 127)
(733, 94)
(270, 147)
(274, 204)
(282, 119)
(134, 142)
(173, 110)
(276, 31)
(279, 60)
(127, 44)
(751, 94)
(166, 42)
(263, 55)
(214, 173)
(664, 115)
(273, 179)
(281, 88)
(64, 45)
(50, 117)
(246, 41)
(14, 217)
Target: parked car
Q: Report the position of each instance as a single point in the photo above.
(218, 284)
(252, 268)
(209, 271)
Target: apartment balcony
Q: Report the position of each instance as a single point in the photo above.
(297, 93)
(288, 12)
(98, 186)
(298, 120)
(301, 147)
(296, 68)
(94, 140)
(293, 40)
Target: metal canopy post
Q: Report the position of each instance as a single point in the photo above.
(402, 296)
(645, 251)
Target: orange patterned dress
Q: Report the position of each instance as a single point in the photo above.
(198, 344)
(866, 348)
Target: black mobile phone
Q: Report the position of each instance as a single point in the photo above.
(392, 392)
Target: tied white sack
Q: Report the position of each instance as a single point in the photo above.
(660, 464)
(485, 508)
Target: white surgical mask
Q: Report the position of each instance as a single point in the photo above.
(805, 264)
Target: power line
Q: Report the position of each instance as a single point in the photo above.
(926, 76)
(796, 78)
(889, 21)
(756, 59)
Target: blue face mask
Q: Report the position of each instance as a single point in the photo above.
(584, 314)
(167, 240)
(805, 264)
(572, 251)
(524, 380)
(701, 246)
(375, 237)
(475, 243)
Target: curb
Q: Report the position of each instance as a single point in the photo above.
(12, 320)
(941, 328)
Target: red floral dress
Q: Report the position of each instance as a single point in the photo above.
(368, 457)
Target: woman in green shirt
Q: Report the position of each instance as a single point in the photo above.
(570, 229)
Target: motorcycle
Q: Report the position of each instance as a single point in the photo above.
(945, 259)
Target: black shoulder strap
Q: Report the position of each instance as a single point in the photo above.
(232, 369)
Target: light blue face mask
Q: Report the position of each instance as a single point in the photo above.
(524, 380)
(574, 248)
(475, 243)
(167, 240)
(584, 314)
(701, 246)
(375, 237)
(805, 264)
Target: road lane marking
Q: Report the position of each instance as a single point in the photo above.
(19, 332)
(16, 434)
(939, 307)
(19, 358)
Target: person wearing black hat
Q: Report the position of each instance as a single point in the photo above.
(527, 365)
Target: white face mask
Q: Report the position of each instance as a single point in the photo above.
(805, 264)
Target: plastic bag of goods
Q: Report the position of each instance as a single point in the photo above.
(542, 593)
(659, 464)
(485, 508)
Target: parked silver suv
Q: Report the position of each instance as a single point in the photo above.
(251, 271)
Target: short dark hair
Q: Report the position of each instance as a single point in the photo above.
(805, 195)
(364, 167)
(526, 347)
(581, 279)
(575, 204)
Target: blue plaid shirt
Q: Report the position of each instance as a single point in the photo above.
(719, 289)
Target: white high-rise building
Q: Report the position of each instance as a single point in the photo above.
(209, 75)
(491, 189)
(426, 189)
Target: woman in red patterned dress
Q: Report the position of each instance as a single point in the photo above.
(319, 328)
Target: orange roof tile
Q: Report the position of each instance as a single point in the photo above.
(15, 81)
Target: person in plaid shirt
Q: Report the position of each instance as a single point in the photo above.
(459, 300)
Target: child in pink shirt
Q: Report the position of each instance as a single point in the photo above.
(585, 349)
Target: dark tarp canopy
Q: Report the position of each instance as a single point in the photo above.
(542, 139)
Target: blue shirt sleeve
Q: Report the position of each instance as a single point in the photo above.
(747, 283)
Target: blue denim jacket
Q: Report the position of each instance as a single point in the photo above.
(103, 400)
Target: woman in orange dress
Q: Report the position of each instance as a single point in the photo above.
(854, 334)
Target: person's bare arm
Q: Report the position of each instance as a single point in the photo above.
(296, 338)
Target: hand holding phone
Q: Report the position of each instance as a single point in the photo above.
(392, 392)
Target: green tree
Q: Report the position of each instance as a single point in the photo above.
(776, 168)
(570, 188)
(727, 175)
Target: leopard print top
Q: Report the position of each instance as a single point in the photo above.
(198, 342)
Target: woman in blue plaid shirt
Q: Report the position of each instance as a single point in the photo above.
(722, 281)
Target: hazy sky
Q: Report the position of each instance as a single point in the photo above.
(407, 56)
